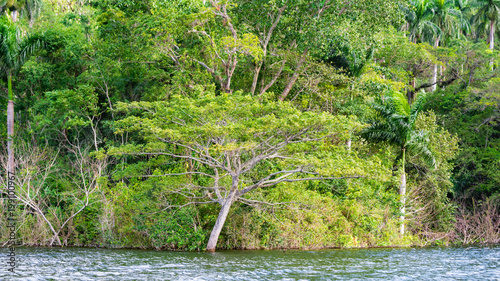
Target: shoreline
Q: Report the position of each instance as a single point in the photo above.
(450, 245)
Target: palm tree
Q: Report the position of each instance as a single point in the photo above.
(395, 124)
(14, 51)
(418, 26)
(464, 14)
(488, 14)
(444, 16)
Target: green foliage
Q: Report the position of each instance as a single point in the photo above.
(472, 115)
(178, 230)
(432, 188)
(152, 85)
(316, 222)
(86, 227)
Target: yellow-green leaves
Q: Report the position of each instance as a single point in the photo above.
(248, 44)
(69, 108)
(238, 124)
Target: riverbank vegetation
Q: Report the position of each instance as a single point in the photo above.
(238, 124)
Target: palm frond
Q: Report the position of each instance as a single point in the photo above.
(28, 46)
(400, 103)
(8, 44)
(416, 107)
(379, 132)
(418, 145)
(16, 49)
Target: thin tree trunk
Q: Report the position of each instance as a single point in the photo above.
(402, 194)
(221, 219)
(14, 15)
(226, 86)
(411, 96)
(434, 78)
(10, 127)
(295, 76)
(10, 136)
(256, 77)
(435, 69)
(273, 80)
(492, 40)
(55, 236)
(264, 49)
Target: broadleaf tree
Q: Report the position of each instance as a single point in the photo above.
(235, 144)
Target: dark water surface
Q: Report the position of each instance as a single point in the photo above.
(474, 263)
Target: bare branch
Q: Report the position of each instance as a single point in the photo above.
(273, 80)
(175, 174)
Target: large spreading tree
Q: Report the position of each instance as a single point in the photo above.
(235, 144)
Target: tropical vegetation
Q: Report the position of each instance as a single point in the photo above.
(238, 124)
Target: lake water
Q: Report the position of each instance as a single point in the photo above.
(473, 263)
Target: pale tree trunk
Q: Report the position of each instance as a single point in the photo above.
(402, 194)
(256, 77)
(221, 219)
(434, 77)
(10, 135)
(10, 127)
(264, 49)
(295, 76)
(492, 40)
(14, 15)
(435, 69)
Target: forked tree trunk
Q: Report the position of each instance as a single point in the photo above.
(256, 77)
(221, 219)
(295, 76)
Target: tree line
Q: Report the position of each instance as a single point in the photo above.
(198, 125)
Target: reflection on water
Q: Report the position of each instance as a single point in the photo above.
(472, 263)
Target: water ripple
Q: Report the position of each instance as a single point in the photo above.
(362, 264)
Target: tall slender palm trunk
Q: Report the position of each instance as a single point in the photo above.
(492, 40)
(10, 128)
(402, 194)
(435, 69)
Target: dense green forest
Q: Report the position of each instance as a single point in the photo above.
(249, 124)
